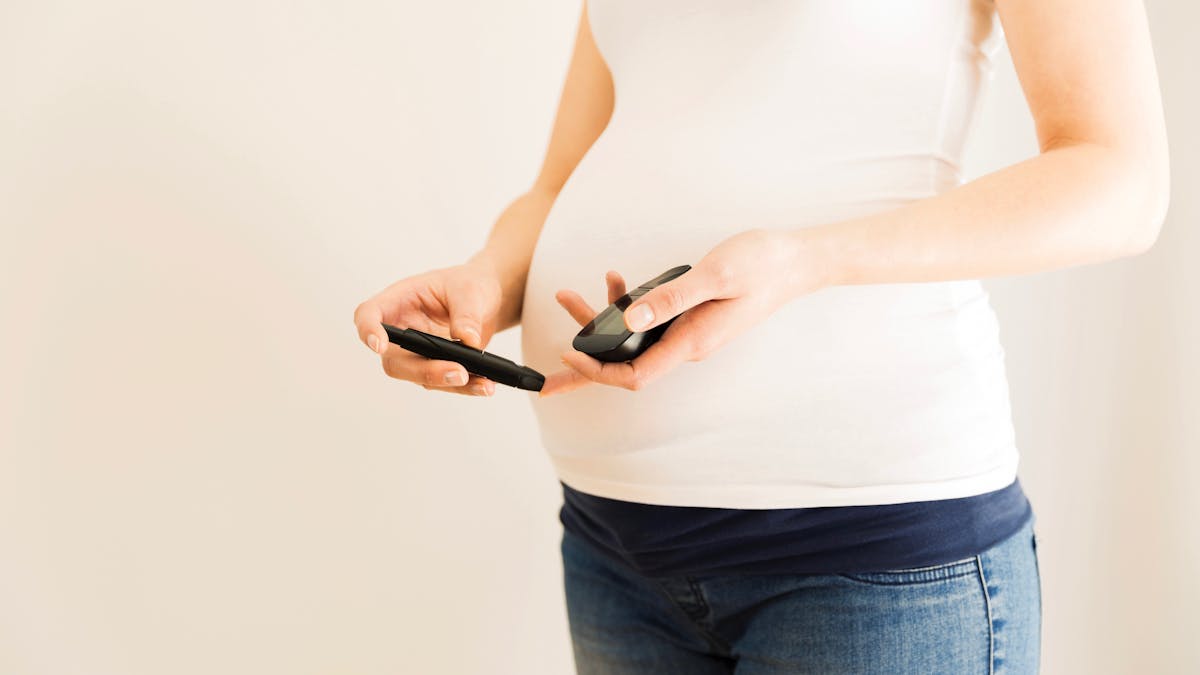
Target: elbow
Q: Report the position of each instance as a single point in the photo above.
(1149, 179)
(1155, 190)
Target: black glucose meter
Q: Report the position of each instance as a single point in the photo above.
(607, 338)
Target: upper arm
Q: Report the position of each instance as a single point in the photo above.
(584, 109)
(1088, 73)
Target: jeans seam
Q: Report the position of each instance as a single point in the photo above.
(720, 647)
(912, 578)
(702, 624)
(987, 602)
(931, 567)
(688, 623)
(696, 590)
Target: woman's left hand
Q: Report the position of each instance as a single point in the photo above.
(736, 285)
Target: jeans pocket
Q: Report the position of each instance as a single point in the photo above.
(915, 575)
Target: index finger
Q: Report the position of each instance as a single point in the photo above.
(368, 320)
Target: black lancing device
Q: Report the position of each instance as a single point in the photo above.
(477, 362)
(607, 338)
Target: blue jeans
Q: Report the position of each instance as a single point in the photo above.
(977, 615)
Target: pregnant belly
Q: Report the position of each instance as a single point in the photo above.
(840, 367)
(840, 386)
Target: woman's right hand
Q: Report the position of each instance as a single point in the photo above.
(460, 302)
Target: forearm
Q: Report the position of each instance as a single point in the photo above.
(1069, 205)
(509, 249)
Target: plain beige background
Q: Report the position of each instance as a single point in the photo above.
(203, 471)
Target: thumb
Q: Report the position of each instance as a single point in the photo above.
(673, 298)
(466, 310)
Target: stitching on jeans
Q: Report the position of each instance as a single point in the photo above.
(702, 623)
(699, 597)
(714, 641)
(912, 578)
(930, 567)
(605, 559)
(987, 601)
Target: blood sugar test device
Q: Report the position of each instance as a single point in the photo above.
(477, 362)
(607, 338)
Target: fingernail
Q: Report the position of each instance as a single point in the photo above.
(455, 377)
(474, 333)
(480, 389)
(640, 317)
(373, 343)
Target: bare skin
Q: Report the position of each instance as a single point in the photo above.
(1097, 191)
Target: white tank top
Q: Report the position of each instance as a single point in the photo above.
(778, 113)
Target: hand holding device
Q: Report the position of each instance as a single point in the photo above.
(737, 284)
(462, 301)
(607, 338)
(477, 362)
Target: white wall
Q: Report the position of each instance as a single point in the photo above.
(1104, 367)
(202, 471)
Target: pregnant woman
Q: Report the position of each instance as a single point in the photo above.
(814, 470)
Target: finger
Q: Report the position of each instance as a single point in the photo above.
(658, 360)
(476, 386)
(368, 320)
(616, 285)
(436, 375)
(673, 298)
(567, 379)
(466, 308)
(576, 306)
(418, 321)
(613, 374)
(404, 365)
